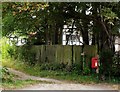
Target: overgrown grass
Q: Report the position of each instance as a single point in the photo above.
(12, 81)
(11, 63)
(18, 84)
(66, 76)
(60, 75)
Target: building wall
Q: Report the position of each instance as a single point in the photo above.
(117, 44)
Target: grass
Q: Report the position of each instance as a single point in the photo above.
(18, 84)
(60, 75)
(13, 82)
(70, 77)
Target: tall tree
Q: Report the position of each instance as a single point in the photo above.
(97, 20)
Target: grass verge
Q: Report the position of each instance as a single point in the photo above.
(60, 75)
(18, 84)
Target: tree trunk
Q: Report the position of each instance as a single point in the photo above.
(85, 37)
(93, 38)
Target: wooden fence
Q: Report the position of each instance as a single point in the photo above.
(62, 54)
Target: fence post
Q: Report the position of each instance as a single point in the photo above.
(72, 56)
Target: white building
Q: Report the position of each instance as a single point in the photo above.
(76, 39)
(117, 44)
(73, 39)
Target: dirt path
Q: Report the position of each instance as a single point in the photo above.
(23, 76)
(58, 85)
(68, 87)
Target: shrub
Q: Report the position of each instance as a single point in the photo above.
(8, 50)
(86, 71)
(61, 67)
(52, 66)
(25, 54)
(115, 65)
(20, 53)
(106, 62)
(6, 75)
(5, 47)
(76, 68)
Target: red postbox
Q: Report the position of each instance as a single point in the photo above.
(94, 62)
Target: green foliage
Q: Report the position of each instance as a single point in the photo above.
(12, 52)
(109, 15)
(8, 24)
(25, 54)
(7, 50)
(19, 84)
(15, 16)
(76, 68)
(52, 66)
(65, 75)
(50, 18)
(6, 75)
(106, 62)
(61, 75)
(86, 71)
(115, 66)
(61, 67)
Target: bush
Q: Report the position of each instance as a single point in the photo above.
(6, 76)
(76, 68)
(17, 52)
(109, 63)
(116, 63)
(52, 66)
(8, 50)
(25, 54)
(61, 67)
(86, 71)
(5, 48)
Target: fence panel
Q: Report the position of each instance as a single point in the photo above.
(77, 50)
(63, 54)
(67, 54)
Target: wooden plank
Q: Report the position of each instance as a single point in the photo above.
(77, 54)
(67, 54)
